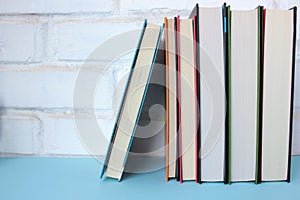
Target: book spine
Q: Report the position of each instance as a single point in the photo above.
(179, 101)
(197, 161)
(167, 98)
(260, 20)
(292, 94)
(226, 43)
(263, 20)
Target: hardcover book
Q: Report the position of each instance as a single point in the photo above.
(132, 103)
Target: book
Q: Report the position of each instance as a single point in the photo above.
(132, 102)
(277, 91)
(211, 57)
(178, 116)
(187, 100)
(226, 48)
(244, 69)
(171, 99)
(194, 16)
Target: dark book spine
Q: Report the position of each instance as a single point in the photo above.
(260, 92)
(292, 95)
(198, 94)
(262, 38)
(177, 102)
(226, 47)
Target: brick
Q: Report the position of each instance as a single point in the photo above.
(146, 5)
(20, 134)
(60, 137)
(48, 89)
(55, 6)
(203, 3)
(63, 137)
(20, 42)
(76, 41)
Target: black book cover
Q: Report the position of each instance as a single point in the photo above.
(226, 27)
(292, 94)
(177, 105)
(261, 49)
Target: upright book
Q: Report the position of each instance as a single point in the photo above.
(187, 98)
(132, 101)
(210, 53)
(244, 69)
(194, 16)
(278, 89)
(171, 99)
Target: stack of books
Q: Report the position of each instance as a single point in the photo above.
(229, 95)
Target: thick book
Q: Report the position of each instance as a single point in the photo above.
(210, 53)
(244, 69)
(171, 99)
(132, 102)
(278, 91)
(187, 100)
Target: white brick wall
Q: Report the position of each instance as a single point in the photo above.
(56, 6)
(75, 41)
(20, 134)
(14, 34)
(42, 46)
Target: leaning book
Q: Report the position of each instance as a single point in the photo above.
(132, 102)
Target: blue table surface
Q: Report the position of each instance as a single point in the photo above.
(78, 178)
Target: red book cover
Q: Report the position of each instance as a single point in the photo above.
(179, 102)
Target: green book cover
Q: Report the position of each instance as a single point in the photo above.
(259, 102)
(228, 94)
